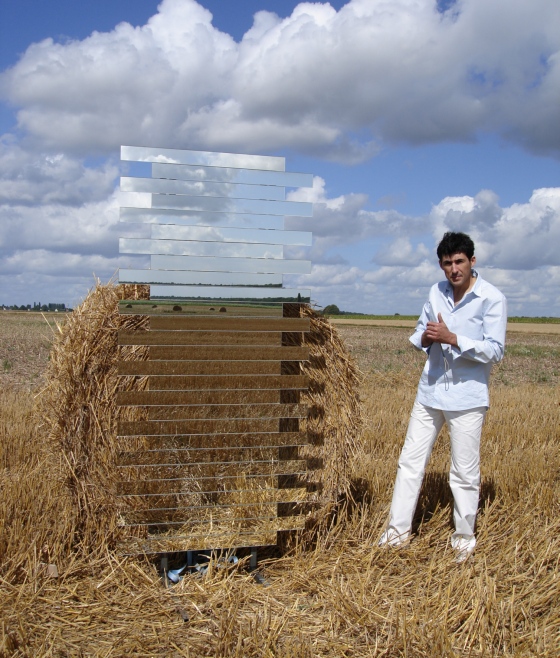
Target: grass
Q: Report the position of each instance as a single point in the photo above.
(345, 597)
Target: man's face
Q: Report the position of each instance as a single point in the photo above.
(457, 269)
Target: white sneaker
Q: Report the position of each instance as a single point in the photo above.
(464, 547)
(392, 538)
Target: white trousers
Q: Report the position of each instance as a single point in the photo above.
(425, 424)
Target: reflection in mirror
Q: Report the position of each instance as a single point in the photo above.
(138, 231)
(191, 248)
(193, 188)
(207, 158)
(134, 262)
(211, 234)
(231, 264)
(239, 309)
(228, 175)
(226, 293)
(219, 204)
(193, 218)
(199, 278)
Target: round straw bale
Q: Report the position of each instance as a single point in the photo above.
(79, 408)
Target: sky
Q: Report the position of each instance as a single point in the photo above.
(414, 116)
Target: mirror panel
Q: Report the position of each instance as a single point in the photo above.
(211, 234)
(256, 265)
(230, 293)
(193, 218)
(237, 309)
(229, 175)
(219, 204)
(195, 188)
(195, 278)
(191, 248)
(206, 158)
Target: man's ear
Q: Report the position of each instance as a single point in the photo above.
(473, 260)
(441, 266)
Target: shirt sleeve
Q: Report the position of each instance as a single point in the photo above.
(491, 348)
(421, 325)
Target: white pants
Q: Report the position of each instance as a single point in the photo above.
(425, 424)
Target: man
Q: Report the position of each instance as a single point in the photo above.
(462, 329)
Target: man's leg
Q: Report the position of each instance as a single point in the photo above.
(423, 428)
(465, 428)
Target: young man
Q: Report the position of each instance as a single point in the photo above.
(462, 329)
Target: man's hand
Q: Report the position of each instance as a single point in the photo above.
(437, 332)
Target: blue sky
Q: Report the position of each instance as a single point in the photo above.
(416, 117)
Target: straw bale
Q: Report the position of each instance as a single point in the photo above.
(79, 409)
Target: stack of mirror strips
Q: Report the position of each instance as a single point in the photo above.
(209, 437)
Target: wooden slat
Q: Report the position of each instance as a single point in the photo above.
(224, 323)
(226, 382)
(199, 368)
(199, 338)
(141, 398)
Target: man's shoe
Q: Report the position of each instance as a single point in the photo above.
(392, 538)
(464, 547)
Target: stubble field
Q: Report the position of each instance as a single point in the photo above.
(346, 597)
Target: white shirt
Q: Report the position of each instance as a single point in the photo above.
(456, 378)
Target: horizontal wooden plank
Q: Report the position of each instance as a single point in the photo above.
(227, 382)
(230, 352)
(188, 412)
(199, 338)
(243, 396)
(199, 368)
(224, 323)
(213, 441)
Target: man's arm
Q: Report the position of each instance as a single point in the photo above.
(488, 350)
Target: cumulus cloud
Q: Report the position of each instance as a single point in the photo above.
(335, 84)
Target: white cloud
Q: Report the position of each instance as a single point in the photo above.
(335, 84)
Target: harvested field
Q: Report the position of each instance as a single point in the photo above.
(343, 596)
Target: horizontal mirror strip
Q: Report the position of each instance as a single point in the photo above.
(184, 543)
(233, 353)
(223, 513)
(230, 293)
(190, 411)
(198, 426)
(160, 307)
(229, 264)
(205, 484)
(151, 472)
(199, 338)
(220, 204)
(241, 235)
(191, 248)
(193, 218)
(202, 188)
(222, 523)
(229, 498)
(214, 441)
(186, 456)
(206, 158)
(224, 323)
(228, 382)
(199, 368)
(199, 278)
(229, 175)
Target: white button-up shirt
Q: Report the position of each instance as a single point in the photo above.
(456, 378)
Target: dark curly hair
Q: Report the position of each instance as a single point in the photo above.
(455, 243)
